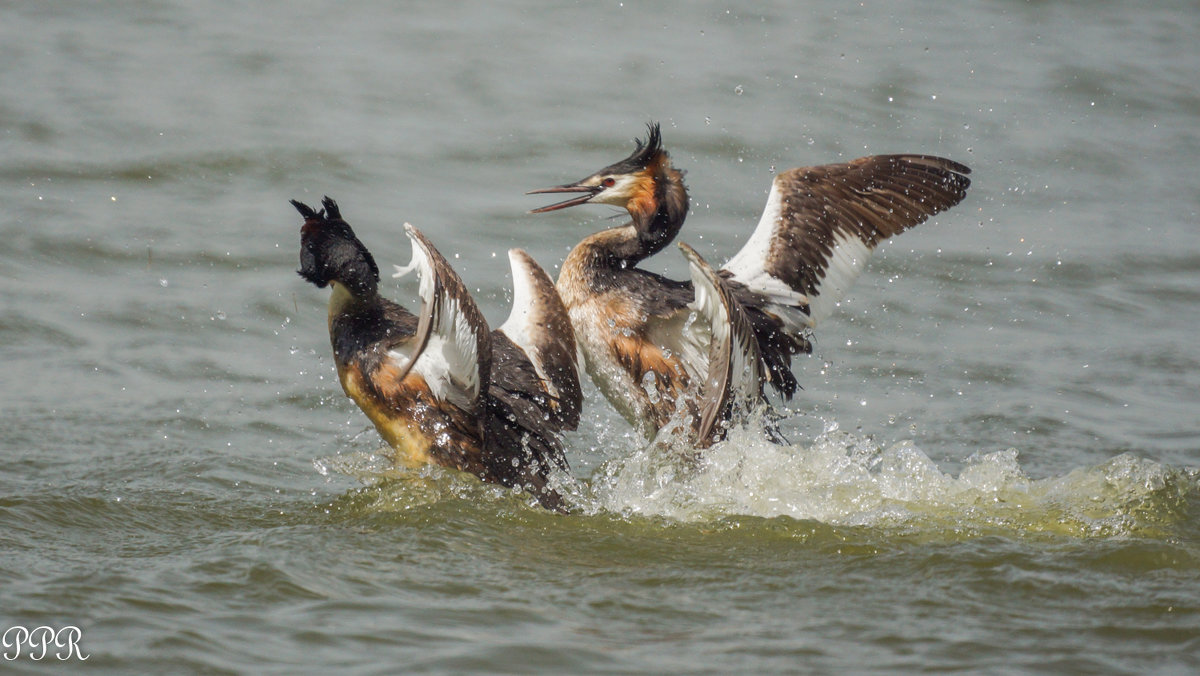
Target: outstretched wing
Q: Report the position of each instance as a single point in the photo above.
(451, 349)
(534, 393)
(540, 326)
(821, 224)
(735, 369)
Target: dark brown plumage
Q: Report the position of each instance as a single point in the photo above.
(441, 388)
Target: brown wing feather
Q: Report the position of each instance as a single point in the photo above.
(872, 198)
(735, 375)
(540, 326)
(818, 229)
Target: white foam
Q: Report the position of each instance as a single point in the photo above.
(844, 480)
(839, 479)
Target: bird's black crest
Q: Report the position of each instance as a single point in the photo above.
(653, 142)
(645, 153)
(305, 210)
(331, 207)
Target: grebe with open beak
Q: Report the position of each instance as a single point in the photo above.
(658, 348)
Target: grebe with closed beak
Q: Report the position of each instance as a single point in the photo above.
(440, 387)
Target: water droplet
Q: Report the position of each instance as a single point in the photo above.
(163, 283)
(650, 385)
(738, 90)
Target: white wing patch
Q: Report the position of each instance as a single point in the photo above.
(850, 256)
(449, 362)
(747, 267)
(687, 334)
(747, 263)
(523, 320)
(707, 324)
(744, 356)
(734, 376)
(847, 261)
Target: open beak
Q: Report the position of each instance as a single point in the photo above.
(589, 193)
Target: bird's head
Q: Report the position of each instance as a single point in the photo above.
(329, 251)
(630, 183)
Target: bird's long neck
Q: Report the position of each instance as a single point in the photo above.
(356, 319)
(657, 217)
(593, 265)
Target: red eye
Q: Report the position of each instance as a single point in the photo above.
(608, 182)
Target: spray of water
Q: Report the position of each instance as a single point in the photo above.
(839, 479)
(845, 480)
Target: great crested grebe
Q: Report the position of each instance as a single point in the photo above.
(441, 388)
(657, 347)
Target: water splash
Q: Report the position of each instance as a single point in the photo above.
(844, 480)
(839, 479)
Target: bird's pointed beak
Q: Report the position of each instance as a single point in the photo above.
(589, 193)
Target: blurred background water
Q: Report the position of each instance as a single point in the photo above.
(995, 453)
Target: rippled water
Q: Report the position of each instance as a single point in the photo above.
(993, 464)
